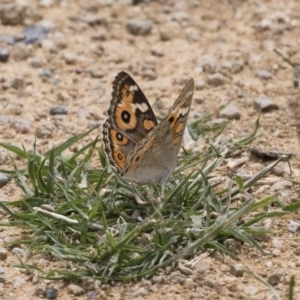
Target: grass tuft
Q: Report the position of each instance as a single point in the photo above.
(95, 224)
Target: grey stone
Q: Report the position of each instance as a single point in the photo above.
(93, 19)
(199, 85)
(18, 251)
(139, 27)
(75, 290)
(216, 80)
(167, 33)
(207, 62)
(274, 278)
(141, 292)
(8, 39)
(21, 126)
(263, 74)
(45, 74)
(264, 103)
(158, 51)
(17, 83)
(3, 155)
(3, 252)
(4, 54)
(96, 74)
(3, 182)
(149, 73)
(192, 34)
(230, 112)
(281, 185)
(69, 58)
(12, 14)
(50, 293)
(181, 17)
(58, 110)
(293, 226)
(21, 52)
(43, 132)
(37, 63)
(18, 281)
(237, 270)
(34, 33)
(13, 109)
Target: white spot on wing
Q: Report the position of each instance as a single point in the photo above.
(133, 88)
(143, 107)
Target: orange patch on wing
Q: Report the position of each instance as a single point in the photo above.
(176, 140)
(119, 157)
(127, 95)
(148, 124)
(115, 140)
(121, 124)
(125, 106)
(179, 128)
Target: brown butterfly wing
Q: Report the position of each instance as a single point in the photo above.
(130, 119)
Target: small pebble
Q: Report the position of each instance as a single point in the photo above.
(276, 252)
(230, 112)
(96, 74)
(207, 62)
(17, 83)
(13, 109)
(293, 226)
(3, 182)
(237, 270)
(139, 27)
(216, 80)
(149, 73)
(43, 132)
(282, 185)
(37, 63)
(12, 14)
(48, 46)
(263, 74)
(58, 110)
(141, 292)
(264, 103)
(4, 54)
(251, 290)
(50, 293)
(277, 244)
(199, 85)
(21, 52)
(18, 282)
(34, 33)
(45, 74)
(158, 51)
(3, 252)
(69, 58)
(75, 290)
(21, 126)
(18, 251)
(274, 278)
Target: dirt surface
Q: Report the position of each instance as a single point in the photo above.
(226, 46)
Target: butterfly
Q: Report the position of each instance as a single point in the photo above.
(136, 145)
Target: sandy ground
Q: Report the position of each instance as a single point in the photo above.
(226, 46)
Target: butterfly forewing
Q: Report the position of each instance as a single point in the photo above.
(130, 119)
(130, 110)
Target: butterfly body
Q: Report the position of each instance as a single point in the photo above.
(139, 147)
